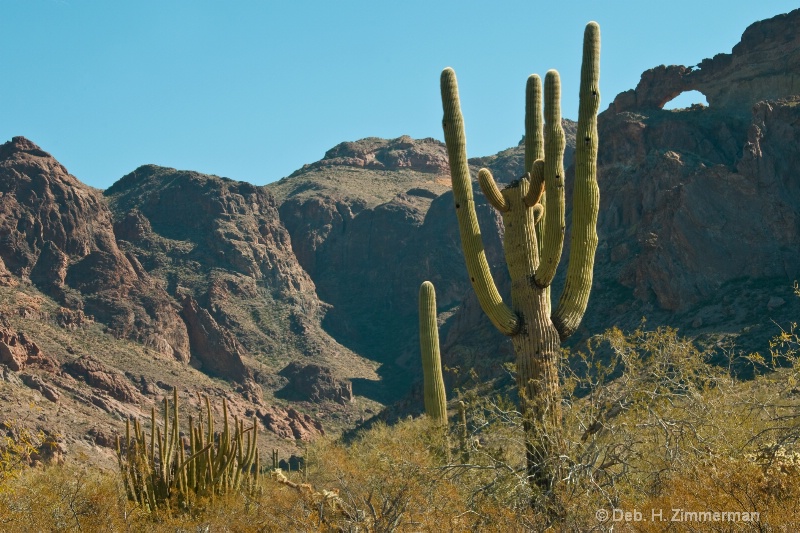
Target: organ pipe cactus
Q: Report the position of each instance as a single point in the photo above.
(435, 398)
(157, 469)
(533, 210)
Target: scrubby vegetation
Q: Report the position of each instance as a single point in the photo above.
(651, 425)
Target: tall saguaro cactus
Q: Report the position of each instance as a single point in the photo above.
(533, 242)
(433, 383)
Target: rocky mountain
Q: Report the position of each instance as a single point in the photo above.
(698, 221)
(297, 301)
(58, 233)
(167, 279)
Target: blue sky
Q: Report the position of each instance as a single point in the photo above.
(253, 90)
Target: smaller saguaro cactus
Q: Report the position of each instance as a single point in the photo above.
(435, 398)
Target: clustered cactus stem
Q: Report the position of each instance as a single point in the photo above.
(533, 211)
(161, 469)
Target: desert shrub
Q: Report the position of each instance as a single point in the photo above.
(59, 498)
(649, 422)
(645, 412)
(18, 447)
(673, 428)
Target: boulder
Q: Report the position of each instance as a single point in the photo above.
(17, 351)
(315, 383)
(99, 376)
(290, 423)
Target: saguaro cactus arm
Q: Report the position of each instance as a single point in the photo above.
(535, 193)
(533, 245)
(586, 196)
(477, 266)
(490, 190)
(554, 145)
(433, 383)
(534, 147)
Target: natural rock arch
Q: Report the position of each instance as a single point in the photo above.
(686, 100)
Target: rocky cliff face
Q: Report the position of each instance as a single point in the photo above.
(220, 249)
(695, 198)
(194, 267)
(56, 232)
(229, 225)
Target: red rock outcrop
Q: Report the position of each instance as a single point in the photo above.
(290, 423)
(214, 347)
(762, 66)
(423, 155)
(37, 383)
(18, 350)
(315, 383)
(99, 376)
(695, 198)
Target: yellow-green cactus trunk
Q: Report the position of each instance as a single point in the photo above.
(533, 243)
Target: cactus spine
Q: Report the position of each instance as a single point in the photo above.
(435, 398)
(533, 242)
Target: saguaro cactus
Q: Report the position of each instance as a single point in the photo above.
(533, 241)
(435, 399)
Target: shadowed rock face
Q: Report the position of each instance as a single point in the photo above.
(289, 423)
(315, 383)
(57, 232)
(685, 215)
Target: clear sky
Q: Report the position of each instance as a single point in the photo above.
(253, 90)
